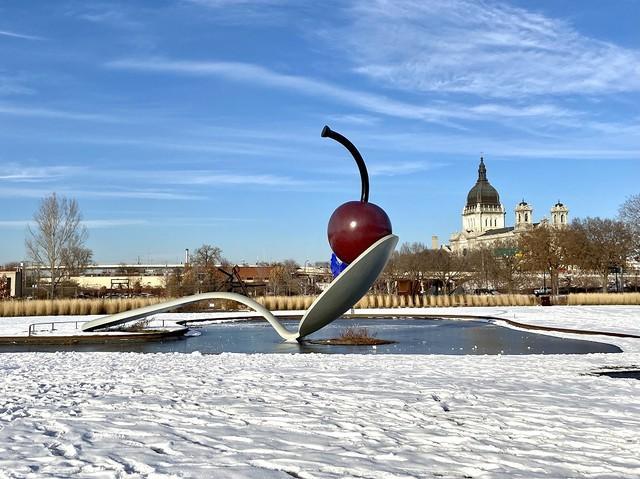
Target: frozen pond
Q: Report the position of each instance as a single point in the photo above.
(411, 336)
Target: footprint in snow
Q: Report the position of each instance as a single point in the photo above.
(443, 405)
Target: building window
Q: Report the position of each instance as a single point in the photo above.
(526, 217)
(561, 218)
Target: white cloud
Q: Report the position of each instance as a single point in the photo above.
(195, 177)
(15, 224)
(113, 223)
(401, 168)
(355, 119)
(126, 15)
(212, 146)
(59, 114)
(94, 224)
(235, 3)
(482, 48)
(245, 12)
(442, 113)
(594, 147)
(147, 194)
(36, 174)
(22, 36)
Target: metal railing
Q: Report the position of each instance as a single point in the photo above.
(52, 325)
(33, 326)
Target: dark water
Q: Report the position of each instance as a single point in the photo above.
(630, 374)
(412, 336)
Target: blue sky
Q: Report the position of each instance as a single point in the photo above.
(182, 122)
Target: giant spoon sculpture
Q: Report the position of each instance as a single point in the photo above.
(359, 234)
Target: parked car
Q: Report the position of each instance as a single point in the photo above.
(485, 291)
(542, 291)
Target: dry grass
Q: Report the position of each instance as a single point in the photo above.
(139, 326)
(286, 303)
(72, 307)
(604, 298)
(375, 301)
(356, 335)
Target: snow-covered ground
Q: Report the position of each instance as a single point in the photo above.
(320, 416)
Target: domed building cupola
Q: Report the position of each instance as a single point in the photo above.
(483, 211)
(482, 192)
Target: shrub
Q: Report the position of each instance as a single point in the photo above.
(356, 335)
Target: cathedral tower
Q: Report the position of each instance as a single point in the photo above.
(524, 215)
(483, 211)
(559, 215)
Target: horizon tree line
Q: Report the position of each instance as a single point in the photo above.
(589, 246)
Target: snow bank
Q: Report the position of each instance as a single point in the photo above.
(326, 416)
(316, 416)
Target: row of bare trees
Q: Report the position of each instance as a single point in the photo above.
(441, 271)
(204, 273)
(596, 246)
(586, 248)
(208, 271)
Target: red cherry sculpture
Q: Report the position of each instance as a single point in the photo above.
(355, 225)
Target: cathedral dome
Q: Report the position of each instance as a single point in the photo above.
(482, 192)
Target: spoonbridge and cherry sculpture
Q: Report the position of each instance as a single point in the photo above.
(359, 234)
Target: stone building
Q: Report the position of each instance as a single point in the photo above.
(483, 217)
(13, 281)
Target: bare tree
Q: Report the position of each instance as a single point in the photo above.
(411, 263)
(57, 240)
(546, 249)
(203, 274)
(207, 256)
(629, 213)
(173, 283)
(75, 259)
(497, 266)
(446, 267)
(282, 278)
(601, 245)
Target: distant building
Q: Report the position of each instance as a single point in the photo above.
(483, 217)
(14, 282)
(247, 279)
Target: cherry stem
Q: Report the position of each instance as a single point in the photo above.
(364, 176)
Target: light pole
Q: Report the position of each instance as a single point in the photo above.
(22, 279)
(308, 280)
